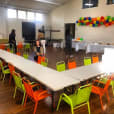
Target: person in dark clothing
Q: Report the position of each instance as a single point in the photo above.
(12, 40)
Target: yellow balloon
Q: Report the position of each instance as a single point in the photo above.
(94, 22)
(90, 25)
(110, 20)
(105, 18)
(82, 18)
(98, 18)
(78, 24)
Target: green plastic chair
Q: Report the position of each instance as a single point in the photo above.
(60, 66)
(78, 99)
(25, 56)
(5, 70)
(87, 61)
(104, 80)
(44, 62)
(19, 85)
(27, 47)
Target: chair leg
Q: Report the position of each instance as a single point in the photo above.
(107, 96)
(3, 78)
(88, 107)
(23, 98)
(59, 103)
(35, 107)
(72, 110)
(15, 92)
(10, 79)
(101, 103)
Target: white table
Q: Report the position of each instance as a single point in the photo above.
(79, 45)
(85, 72)
(49, 77)
(97, 48)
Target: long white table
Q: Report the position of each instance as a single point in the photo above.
(97, 48)
(49, 77)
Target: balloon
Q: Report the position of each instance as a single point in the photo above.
(89, 18)
(112, 22)
(98, 18)
(96, 25)
(107, 25)
(80, 18)
(97, 22)
(101, 23)
(76, 21)
(108, 17)
(107, 21)
(102, 17)
(105, 18)
(84, 18)
(91, 25)
(112, 18)
(78, 24)
(94, 22)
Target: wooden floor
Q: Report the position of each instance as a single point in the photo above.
(8, 105)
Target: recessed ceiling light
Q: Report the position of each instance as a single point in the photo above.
(89, 4)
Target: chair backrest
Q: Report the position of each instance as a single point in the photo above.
(87, 61)
(2, 46)
(25, 56)
(83, 94)
(60, 66)
(11, 68)
(27, 46)
(107, 84)
(40, 59)
(18, 80)
(18, 53)
(20, 45)
(71, 64)
(28, 88)
(44, 62)
(95, 59)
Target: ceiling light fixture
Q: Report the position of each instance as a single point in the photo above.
(48, 2)
(89, 4)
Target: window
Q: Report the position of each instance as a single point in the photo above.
(110, 1)
(12, 13)
(30, 15)
(90, 3)
(39, 17)
(21, 14)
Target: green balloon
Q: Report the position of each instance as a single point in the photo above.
(108, 17)
(101, 23)
(80, 18)
(96, 25)
(112, 18)
(81, 39)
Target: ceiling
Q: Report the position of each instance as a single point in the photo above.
(37, 5)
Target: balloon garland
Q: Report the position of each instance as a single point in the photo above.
(95, 22)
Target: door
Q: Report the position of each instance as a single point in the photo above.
(69, 35)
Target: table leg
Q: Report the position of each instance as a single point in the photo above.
(53, 101)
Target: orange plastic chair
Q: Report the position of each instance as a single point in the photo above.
(2, 46)
(71, 64)
(100, 89)
(8, 50)
(95, 59)
(40, 59)
(35, 96)
(20, 46)
(18, 53)
(12, 69)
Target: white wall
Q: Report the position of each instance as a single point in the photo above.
(6, 24)
(72, 11)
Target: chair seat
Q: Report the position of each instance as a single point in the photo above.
(6, 71)
(36, 95)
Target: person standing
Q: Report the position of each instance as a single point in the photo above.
(12, 40)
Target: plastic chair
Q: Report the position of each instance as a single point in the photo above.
(4, 69)
(18, 53)
(27, 47)
(12, 69)
(100, 89)
(71, 64)
(104, 80)
(40, 59)
(19, 85)
(95, 59)
(25, 56)
(87, 61)
(8, 50)
(20, 46)
(2, 46)
(60, 66)
(44, 62)
(78, 99)
(35, 96)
